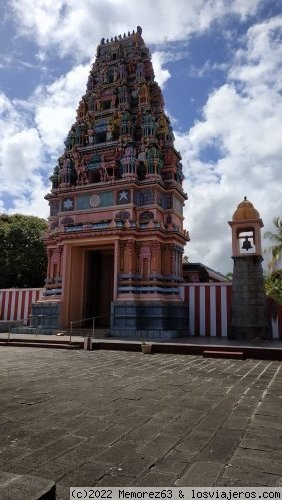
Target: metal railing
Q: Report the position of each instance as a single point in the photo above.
(93, 318)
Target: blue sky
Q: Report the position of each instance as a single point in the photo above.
(219, 63)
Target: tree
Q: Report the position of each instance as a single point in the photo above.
(273, 285)
(23, 257)
(275, 250)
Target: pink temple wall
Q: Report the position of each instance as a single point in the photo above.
(209, 307)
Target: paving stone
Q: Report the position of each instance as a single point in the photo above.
(221, 447)
(195, 441)
(6, 478)
(116, 418)
(259, 442)
(269, 462)
(156, 479)
(201, 474)
(135, 465)
(251, 477)
(118, 451)
(87, 474)
(236, 422)
(60, 466)
(115, 480)
(62, 492)
(26, 463)
(19, 487)
(174, 462)
(160, 445)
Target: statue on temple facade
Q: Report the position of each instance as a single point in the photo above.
(128, 160)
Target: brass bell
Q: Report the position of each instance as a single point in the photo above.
(246, 244)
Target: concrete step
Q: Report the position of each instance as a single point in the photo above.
(224, 354)
(48, 345)
(99, 333)
(31, 330)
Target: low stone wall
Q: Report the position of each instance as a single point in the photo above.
(6, 325)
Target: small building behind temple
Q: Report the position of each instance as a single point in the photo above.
(115, 238)
(195, 272)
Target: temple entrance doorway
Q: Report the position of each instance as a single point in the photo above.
(99, 281)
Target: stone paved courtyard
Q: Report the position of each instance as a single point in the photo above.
(111, 418)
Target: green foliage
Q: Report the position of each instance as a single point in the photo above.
(23, 259)
(273, 285)
(229, 276)
(275, 250)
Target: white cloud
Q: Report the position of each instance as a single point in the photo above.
(55, 105)
(31, 133)
(21, 156)
(161, 74)
(241, 122)
(72, 28)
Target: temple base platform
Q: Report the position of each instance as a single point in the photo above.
(149, 320)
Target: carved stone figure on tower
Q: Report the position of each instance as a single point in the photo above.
(128, 161)
(103, 170)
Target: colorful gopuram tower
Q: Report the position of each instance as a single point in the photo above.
(115, 238)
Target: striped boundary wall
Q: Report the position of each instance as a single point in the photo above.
(210, 310)
(209, 307)
(15, 303)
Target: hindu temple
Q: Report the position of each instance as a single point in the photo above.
(115, 237)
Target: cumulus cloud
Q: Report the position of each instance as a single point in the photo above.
(55, 105)
(72, 28)
(32, 133)
(241, 123)
(21, 156)
(161, 74)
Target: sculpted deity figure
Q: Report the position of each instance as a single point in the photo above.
(128, 161)
(154, 160)
(122, 72)
(142, 154)
(115, 124)
(55, 177)
(115, 74)
(81, 172)
(104, 176)
(109, 135)
(64, 170)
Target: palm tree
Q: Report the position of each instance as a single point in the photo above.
(275, 250)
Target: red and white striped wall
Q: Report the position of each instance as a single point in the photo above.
(15, 303)
(209, 308)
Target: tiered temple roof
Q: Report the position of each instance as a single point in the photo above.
(121, 130)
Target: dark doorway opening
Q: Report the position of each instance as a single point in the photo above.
(99, 286)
